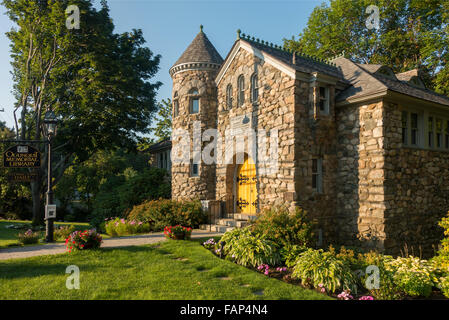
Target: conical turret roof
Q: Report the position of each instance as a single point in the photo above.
(200, 50)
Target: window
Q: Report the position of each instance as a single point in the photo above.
(175, 105)
(404, 128)
(431, 132)
(317, 175)
(229, 97)
(194, 101)
(195, 170)
(447, 134)
(241, 86)
(439, 130)
(324, 100)
(415, 129)
(254, 88)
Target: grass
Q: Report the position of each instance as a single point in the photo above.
(8, 237)
(172, 270)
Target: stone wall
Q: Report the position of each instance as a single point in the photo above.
(360, 176)
(184, 186)
(417, 185)
(274, 110)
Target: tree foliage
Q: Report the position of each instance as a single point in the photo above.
(412, 34)
(96, 81)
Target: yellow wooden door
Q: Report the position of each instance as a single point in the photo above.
(247, 197)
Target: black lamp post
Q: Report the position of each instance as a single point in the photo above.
(50, 122)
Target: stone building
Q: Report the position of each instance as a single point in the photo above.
(363, 150)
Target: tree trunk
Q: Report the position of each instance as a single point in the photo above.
(36, 194)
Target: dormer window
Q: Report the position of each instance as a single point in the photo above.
(229, 97)
(241, 86)
(254, 88)
(324, 100)
(194, 101)
(175, 105)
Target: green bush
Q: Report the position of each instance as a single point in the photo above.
(121, 227)
(119, 194)
(443, 284)
(318, 268)
(284, 228)
(162, 213)
(250, 249)
(63, 232)
(415, 277)
(291, 253)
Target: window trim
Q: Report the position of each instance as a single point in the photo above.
(318, 175)
(326, 99)
(193, 96)
(254, 88)
(241, 90)
(229, 97)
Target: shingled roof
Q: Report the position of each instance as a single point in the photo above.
(365, 81)
(200, 50)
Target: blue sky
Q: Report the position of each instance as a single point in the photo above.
(169, 26)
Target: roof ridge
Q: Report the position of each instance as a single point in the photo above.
(247, 37)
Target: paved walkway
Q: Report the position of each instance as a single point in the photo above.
(58, 248)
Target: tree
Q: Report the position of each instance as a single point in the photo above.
(96, 81)
(412, 34)
(163, 128)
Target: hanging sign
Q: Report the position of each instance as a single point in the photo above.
(19, 177)
(22, 157)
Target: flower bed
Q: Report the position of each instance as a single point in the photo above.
(83, 240)
(29, 237)
(178, 232)
(122, 227)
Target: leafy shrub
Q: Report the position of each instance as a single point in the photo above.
(63, 232)
(444, 223)
(28, 237)
(121, 227)
(83, 240)
(285, 228)
(162, 213)
(210, 244)
(387, 289)
(291, 253)
(315, 267)
(178, 232)
(413, 276)
(443, 284)
(119, 194)
(250, 249)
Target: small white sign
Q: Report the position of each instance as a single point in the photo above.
(22, 149)
(50, 211)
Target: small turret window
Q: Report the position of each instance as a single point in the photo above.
(254, 88)
(229, 97)
(241, 86)
(175, 105)
(194, 101)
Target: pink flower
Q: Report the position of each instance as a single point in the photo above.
(366, 298)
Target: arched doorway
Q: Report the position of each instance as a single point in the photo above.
(247, 196)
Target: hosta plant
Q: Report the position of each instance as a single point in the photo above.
(316, 267)
(83, 240)
(250, 249)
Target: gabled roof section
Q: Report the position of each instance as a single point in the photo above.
(200, 50)
(412, 77)
(367, 82)
(284, 59)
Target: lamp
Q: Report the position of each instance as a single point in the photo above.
(50, 122)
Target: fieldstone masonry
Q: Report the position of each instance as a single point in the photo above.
(376, 194)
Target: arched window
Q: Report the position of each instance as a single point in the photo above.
(175, 105)
(229, 97)
(241, 86)
(254, 88)
(194, 101)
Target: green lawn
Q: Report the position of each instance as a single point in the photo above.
(8, 237)
(179, 270)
